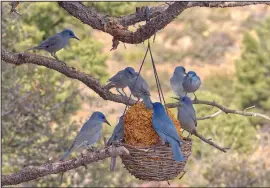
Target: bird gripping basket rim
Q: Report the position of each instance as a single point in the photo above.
(154, 163)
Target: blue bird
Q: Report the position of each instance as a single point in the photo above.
(140, 89)
(56, 42)
(120, 80)
(166, 130)
(187, 115)
(118, 135)
(89, 133)
(177, 80)
(118, 132)
(191, 83)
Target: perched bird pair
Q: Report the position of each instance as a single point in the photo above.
(56, 42)
(89, 133)
(183, 83)
(135, 82)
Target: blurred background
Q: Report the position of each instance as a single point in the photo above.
(42, 110)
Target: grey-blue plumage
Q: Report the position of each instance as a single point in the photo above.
(140, 89)
(191, 82)
(118, 132)
(187, 115)
(120, 80)
(118, 135)
(177, 80)
(166, 130)
(56, 42)
(89, 133)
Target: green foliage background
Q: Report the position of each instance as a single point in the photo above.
(38, 104)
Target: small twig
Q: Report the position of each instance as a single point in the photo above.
(210, 116)
(249, 108)
(184, 172)
(208, 141)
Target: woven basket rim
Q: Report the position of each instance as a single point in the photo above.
(147, 147)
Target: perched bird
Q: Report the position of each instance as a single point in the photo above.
(56, 42)
(166, 130)
(89, 133)
(177, 81)
(120, 80)
(140, 89)
(191, 83)
(118, 134)
(187, 115)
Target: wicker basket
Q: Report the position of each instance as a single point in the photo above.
(155, 163)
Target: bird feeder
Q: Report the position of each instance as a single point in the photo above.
(148, 160)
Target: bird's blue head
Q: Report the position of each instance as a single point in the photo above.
(186, 100)
(98, 116)
(129, 70)
(191, 74)
(69, 34)
(180, 70)
(158, 108)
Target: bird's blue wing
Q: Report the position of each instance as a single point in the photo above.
(50, 41)
(89, 129)
(165, 125)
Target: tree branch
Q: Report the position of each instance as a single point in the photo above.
(210, 116)
(93, 83)
(31, 173)
(208, 141)
(223, 4)
(117, 26)
(160, 16)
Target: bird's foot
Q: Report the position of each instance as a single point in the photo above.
(93, 149)
(73, 68)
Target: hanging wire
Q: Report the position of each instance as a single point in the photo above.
(156, 76)
(159, 93)
(136, 79)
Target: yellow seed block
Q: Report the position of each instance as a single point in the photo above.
(138, 129)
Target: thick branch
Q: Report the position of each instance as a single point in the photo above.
(160, 16)
(112, 25)
(91, 82)
(31, 173)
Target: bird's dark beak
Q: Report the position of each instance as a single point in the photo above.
(75, 37)
(176, 98)
(106, 121)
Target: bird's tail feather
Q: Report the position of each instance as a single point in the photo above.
(65, 155)
(110, 141)
(177, 154)
(34, 48)
(147, 102)
(113, 162)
